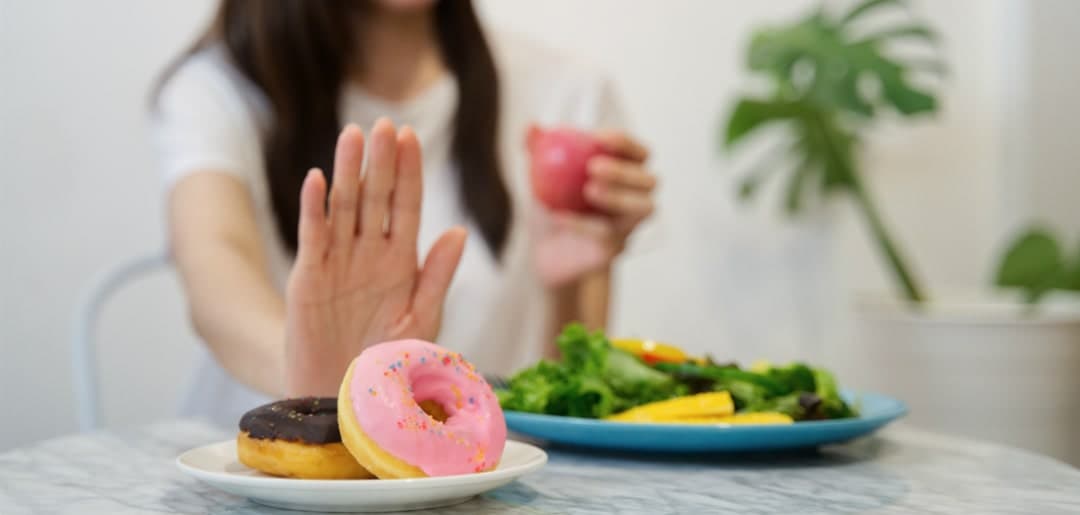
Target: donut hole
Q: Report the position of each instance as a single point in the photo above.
(434, 409)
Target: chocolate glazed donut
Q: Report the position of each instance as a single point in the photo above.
(297, 438)
(309, 420)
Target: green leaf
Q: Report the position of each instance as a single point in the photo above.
(1072, 281)
(585, 396)
(905, 98)
(865, 7)
(845, 94)
(793, 194)
(631, 378)
(825, 384)
(593, 379)
(833, 147)
(750, 114)
(531, 390)
(582, 351)
(832, 405)
(1034, 263)
(786, 404)
(796, 376)
(907, 31)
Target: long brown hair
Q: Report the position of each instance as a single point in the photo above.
(298, 53)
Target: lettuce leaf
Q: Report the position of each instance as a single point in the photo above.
(592, 380)
(797, 389)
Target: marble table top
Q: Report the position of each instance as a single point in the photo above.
(902, 471)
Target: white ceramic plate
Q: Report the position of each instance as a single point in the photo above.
(218, 466)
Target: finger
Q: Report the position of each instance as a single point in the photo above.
(379, 181)
(345, 191)
(619, 143)
(621, 173)
(619, 201)
(313, 236)
(439, 267)
(408, 191)
(531, 133)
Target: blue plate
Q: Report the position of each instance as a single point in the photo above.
(876, 410)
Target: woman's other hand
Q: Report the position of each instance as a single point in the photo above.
(620, 187)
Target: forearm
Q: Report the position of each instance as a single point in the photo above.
(220, 256)
(594, 296)
(239, 315)
(586, 301)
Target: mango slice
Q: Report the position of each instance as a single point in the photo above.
(738, 419)
(711, 404)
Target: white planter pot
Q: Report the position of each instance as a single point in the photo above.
(989, 369)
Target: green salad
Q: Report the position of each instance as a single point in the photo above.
(594, 380)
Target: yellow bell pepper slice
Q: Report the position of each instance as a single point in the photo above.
(651, 352)
(760, 366)
(711, 404)
(739, 419)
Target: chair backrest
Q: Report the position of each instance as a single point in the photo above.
(83, 348)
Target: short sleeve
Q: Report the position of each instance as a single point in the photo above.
(205, 119)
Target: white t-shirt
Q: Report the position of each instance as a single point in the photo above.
(211, 118)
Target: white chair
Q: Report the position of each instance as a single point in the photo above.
(87, 313)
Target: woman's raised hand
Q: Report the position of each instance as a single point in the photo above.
(357, 280)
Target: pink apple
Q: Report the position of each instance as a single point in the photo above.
(558, 166)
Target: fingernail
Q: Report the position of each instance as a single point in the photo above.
(349, 131)
(351, 127)
(383, 122)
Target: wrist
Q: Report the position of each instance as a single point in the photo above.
(563, 291)
(310, 368)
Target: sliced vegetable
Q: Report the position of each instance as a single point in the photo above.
(651, 352)
(739, 419)
(714, 404)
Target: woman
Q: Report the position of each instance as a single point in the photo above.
(260, 100)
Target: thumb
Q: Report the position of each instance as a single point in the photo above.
(532, 132)
(439, 267)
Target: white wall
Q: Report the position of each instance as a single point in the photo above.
(1053, 125)
(80, 193)
(79, 190)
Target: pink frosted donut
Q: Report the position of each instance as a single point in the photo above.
(385, 428)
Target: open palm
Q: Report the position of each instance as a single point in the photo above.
(356, 280)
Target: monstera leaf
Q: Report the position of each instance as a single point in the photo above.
(829, 81)
(1036, 264)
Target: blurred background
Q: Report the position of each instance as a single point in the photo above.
(81, 191)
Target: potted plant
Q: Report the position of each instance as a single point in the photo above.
(987, 364)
